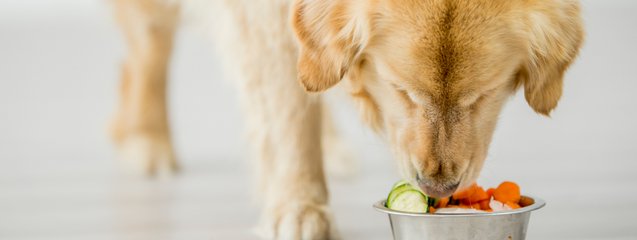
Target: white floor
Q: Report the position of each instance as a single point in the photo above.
(59, 178)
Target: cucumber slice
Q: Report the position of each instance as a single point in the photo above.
(397, 191)
(410, 201)
(398, 184)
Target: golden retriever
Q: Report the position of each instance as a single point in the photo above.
(431, 75)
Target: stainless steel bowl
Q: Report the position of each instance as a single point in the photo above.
(502, 225)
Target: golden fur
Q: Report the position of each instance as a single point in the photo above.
(431, 75)
(140, 126)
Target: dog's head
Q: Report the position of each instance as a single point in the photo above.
(433, 75)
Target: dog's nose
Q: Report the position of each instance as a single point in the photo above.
(437, 190)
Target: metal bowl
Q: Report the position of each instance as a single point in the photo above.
(501, 225)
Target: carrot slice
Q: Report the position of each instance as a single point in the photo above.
(513, 205)
(490, 192)
(476, 206)
(432, 210)
(489, 210)
(507, 192)
(464, 206)
(478, 196)
(525, 201)
(484, 204)
(467, 192)
(442, 203)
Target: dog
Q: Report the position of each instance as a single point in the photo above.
(430, 75)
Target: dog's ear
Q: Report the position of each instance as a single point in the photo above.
(555, 34)
(331, 33)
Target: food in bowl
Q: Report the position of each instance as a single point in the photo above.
(406, 198)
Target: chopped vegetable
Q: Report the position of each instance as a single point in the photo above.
(525, 201)
(498, 206)
(442, 203)
(476, 206)
(433, 201)
(512, 205)
(410, 201)
(396, 191)
(404, 197)
(478, 196)
(398, 184)
(490, 192)
(484, 204)
(466, 193)
(506, 196)
(507, 192)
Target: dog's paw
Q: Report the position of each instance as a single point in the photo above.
(339, 159)
(144, 155)
(299, 222)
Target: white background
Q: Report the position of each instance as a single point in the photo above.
(59, 68)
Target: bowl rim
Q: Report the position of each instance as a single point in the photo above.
(539, 203)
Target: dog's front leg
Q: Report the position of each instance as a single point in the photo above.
(140, 126)
(288, 136)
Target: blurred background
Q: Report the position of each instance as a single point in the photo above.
(59, 178)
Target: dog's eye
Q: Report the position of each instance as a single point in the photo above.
(399, 88)
(403, 93)
(477, 101)
(470, 100)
